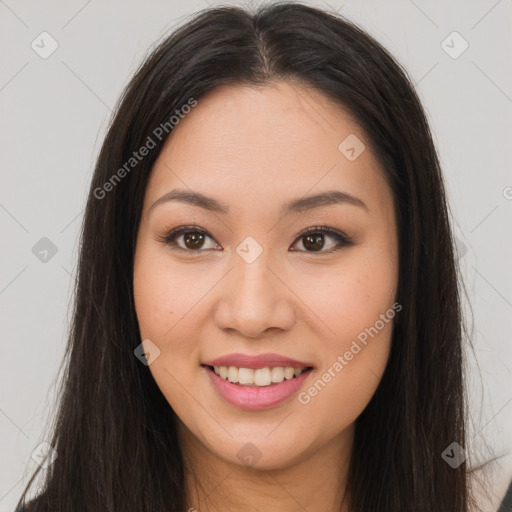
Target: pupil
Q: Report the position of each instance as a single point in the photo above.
(313, 242)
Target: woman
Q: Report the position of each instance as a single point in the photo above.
(267, 310)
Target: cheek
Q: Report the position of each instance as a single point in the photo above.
(164, 297)
(351, 296)
(154, 298)
(164, 294)
(354, 317)
(353, 360)
(171, 302)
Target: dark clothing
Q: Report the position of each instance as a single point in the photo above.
(506, 504)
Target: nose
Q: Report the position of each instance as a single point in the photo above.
(255, 299)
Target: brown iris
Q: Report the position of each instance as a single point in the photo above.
(193, 240)
(314, 242)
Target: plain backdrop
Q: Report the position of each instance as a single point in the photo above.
(54, 112)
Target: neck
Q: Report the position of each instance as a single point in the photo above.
(314, 482)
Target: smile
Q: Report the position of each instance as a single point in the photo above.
(259, 377)
(256, 389)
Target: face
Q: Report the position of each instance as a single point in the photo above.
(264, 276)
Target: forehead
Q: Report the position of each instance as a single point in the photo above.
(275, 119)
(269, 140)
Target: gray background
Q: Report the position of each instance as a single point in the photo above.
(54, 113)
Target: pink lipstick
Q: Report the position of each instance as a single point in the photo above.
(257, 382)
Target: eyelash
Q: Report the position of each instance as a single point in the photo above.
(341, 239)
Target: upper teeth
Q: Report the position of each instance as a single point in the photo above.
(260, 377)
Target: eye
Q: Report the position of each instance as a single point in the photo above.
(193, 238)
(313, 239)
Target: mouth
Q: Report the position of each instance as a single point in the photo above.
(256, 389)
(258, 378)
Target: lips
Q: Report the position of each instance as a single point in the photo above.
(256, 362)
(257, 391)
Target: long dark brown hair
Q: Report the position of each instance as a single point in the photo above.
(114, 431)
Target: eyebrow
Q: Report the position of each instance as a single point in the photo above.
(303, 204)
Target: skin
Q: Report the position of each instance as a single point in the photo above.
(255, 148)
